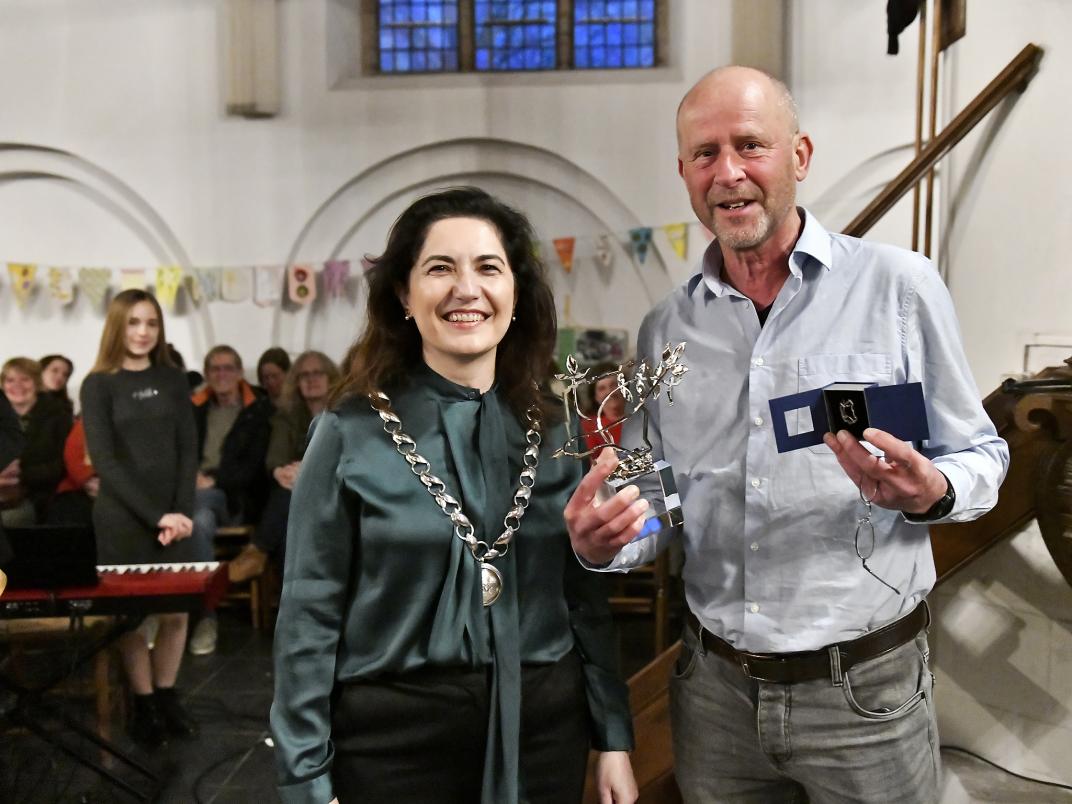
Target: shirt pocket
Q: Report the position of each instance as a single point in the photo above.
(817, 371)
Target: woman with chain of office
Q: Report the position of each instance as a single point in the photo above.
(437, 639)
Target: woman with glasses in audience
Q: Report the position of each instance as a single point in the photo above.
(140, 431)
(304, 396)
(437, 639)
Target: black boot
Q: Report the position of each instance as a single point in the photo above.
(177, 722)
(146, 727)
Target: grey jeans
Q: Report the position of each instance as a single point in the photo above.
(873, 738)
(210, 513)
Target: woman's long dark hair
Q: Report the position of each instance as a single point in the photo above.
(389, 348)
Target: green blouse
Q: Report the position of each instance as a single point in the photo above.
(377, 583)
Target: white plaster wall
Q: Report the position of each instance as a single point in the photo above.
(1010, 229)
(133, 86)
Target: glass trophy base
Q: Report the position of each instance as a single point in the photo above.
(657, 486)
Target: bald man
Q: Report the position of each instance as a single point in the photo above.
(804, 670)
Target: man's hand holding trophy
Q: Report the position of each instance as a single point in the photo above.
(629, 494)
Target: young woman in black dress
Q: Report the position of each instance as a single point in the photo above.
(140, 434)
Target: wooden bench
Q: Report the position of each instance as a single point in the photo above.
(645, 591)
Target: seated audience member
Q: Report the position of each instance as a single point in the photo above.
(272, 371)
(233, 428)
(11, 444)
(28, 482)
(304, 396)
(56, 371)
(73, 503)
(613, 410)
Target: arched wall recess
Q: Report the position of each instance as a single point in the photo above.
(29, 162)
(529, 177)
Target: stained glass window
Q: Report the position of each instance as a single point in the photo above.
(438, 36)
(418, 36)
(515, 34)
(613, 34)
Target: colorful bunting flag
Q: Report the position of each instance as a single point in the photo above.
(236, 284)
(301, 283)
(678, 235)
(639, 241)
(262, 282)
(95, 283)
(193, 287)
(61, 285)
(334, 277)
(564, 247)
(132, 279)
(168, 282)
(604, 252)
(207, 282)
(267, 285)
(23, 280)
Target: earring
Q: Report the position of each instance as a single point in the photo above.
(408, 315)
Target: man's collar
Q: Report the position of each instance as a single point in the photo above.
(814, 242)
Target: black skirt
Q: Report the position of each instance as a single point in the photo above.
(420, 736)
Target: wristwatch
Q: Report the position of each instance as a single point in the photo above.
(940, 510)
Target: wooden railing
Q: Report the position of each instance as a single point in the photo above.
(1038, 429)
(1014, 78)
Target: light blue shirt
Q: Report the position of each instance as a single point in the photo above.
(770, 563)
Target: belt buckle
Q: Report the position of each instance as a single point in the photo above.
(745, 668)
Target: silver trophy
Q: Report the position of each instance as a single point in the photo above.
(655, 478)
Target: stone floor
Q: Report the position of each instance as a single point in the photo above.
(968, 779)
(230, 693)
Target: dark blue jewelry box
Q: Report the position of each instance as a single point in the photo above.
(897, 409)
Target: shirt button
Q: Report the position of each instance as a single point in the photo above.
(754, 546)
(758, 361)
(756, 482)
(758, 421)
(754, 608)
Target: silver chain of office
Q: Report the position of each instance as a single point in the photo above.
(491, 580)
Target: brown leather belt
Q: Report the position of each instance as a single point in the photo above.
(829, 662)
